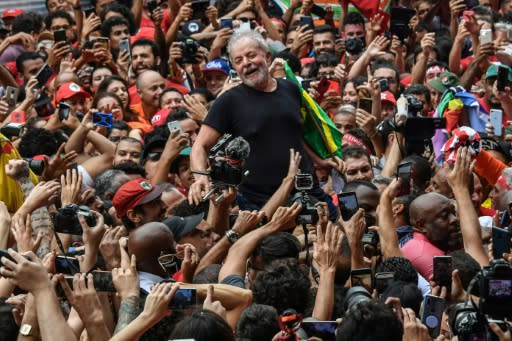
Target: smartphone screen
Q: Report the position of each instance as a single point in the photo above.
(325, 330)
(485, 36)
(348, 205)
(500, 242)
(11, 94)
(184, 298)
(124, 46)
(64, 110)
(100, 42)
(43, 75)
(103, 281)
(66, 265)
(323, 86)
(59, 35)
(404, 172)
(226, 22)
(443, 271)
(365, 104)
(496, 120)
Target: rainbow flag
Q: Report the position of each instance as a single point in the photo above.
(319, 131)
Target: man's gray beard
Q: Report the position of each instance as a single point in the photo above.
(262, 78)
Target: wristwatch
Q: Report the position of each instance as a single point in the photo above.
(232, 236)
(27, 330)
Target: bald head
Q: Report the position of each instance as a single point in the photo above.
(146, 78)
(147, 243)
(422, 205)
(150, 85)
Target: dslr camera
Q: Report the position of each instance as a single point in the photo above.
(66, 219)
(36, 166)
(496, 289)
(308, 214)
(189, 49)
(469, 324)
(354, 46)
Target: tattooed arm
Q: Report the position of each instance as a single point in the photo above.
(128, 311)
(36, 197)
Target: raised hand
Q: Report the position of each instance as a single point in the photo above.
(42, 195)
(57, 166)
(327, 247)
(190, 261)
(215, 306)
(22, 231)
(71, 184)
(125, 278)
(26, 271)
(461, 173)
(285, 217)
(157, 302)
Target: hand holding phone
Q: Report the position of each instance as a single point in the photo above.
(174, 126)
(443, 271)
(404, 172)
(348, 205)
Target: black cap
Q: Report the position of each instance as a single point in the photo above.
(181, 226)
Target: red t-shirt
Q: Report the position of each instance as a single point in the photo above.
(135, 98)
(421, 252)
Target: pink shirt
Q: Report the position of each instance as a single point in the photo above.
(421, 254)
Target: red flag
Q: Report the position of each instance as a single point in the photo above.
(368, 8)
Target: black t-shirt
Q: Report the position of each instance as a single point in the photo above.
(271, 123)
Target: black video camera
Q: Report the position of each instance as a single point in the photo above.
(37, 166)
(189, 48)
(469, 324)
(66, 219)
(496, 289)
(308, 214)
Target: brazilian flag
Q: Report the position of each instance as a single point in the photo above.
(318, 130)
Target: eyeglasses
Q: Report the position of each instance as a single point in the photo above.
(170, 263)
(154, 156)
(391, 80)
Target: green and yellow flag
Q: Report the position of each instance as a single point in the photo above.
(319, 131)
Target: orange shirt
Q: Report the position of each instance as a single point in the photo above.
(142, 122)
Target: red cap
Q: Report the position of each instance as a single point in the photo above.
(11, 13)
(68, 90)
(134, 193)
(160, 117)
(387, 96)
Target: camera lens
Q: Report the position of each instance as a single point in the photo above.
(354, 296)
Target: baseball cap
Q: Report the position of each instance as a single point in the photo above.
(134, 193)
(181, 226)
(68, 90)
(444, 81)
(492, 71)
(11, 12)
(387, 96)
(183, 153)
(160, 117)
(218, 64)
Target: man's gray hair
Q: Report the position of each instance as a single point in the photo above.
(107, 183)
(249, 35)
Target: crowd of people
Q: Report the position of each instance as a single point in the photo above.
(157, 180)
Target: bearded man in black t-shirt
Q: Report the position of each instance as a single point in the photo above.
(263, 110)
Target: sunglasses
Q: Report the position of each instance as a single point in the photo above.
(170, 263)
(154, 156)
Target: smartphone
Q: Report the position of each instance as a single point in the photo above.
(124, 45)
(348, 205)
(199, 7)
(102, 119)
(88, 11)
(19, 117)
(383, 83)
(58, 288)
(59, 35)
(11, 130)
(365, 104)
(66, 265)
(325, 330)
(43, 75)
(363, 278)
(226, 22)
(500, 242)
(101, 42)
(11, 95)
(306, 83)
(64, 110)
(382, 280)
(443, 271)
(496, 120)
(233, 74)
(323, 86)
(403, 172)
(152, 5)
(173, 126)
(433, 307)
(306, 20)
(319, 11)
(502, 80)
(103, 281)
(485, 36)
(184, 298)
